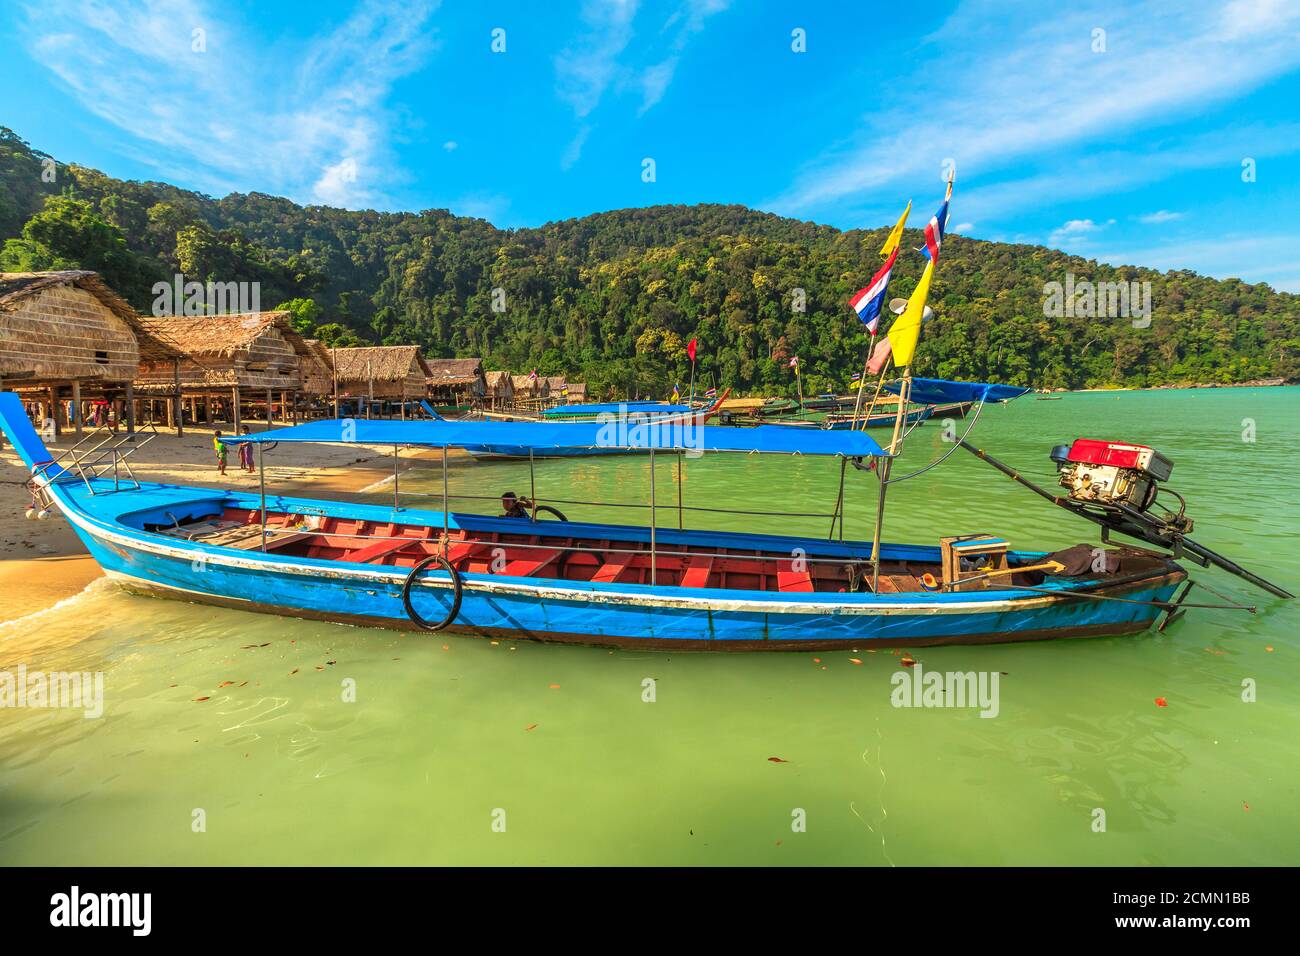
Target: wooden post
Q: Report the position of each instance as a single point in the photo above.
(269, 406)
(178, 403)
(130, 408)
(652, 517)
(370, 377)
(235, 410)
(334, 371)
(76, 407)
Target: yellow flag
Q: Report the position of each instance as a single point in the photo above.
(905, 331)
(895, 234)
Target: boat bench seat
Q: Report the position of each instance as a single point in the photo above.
(381, 549)
(527, 567)
(611, 570)
(794, 581)
(697, 572)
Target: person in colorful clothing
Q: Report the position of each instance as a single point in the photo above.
(221, 451)
(246, 453)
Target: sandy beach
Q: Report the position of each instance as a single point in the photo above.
(43, 562)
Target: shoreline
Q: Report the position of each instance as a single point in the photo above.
(43, 562)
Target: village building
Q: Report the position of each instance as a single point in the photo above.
(456, 384)
(231, 366)
(383, 374)
(70, 347)
(500, 390)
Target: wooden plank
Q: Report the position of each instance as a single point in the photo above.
(793, 581)
(611, 570)
(529, 566)
(697, 572)
(378, 550)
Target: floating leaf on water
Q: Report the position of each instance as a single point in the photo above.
(854, 660)
(1245, 805)
(531, 727)
(292, 672)
(197, 699)
(225, 683)
(777, 760)
(555, 687)
(1161, 702)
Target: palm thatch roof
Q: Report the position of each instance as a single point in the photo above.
(221, 336)
(385, 363)
(461, 371)
(496, 379)
(15, 287)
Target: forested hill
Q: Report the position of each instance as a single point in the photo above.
(614, 297)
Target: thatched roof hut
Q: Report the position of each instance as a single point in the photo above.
(317, 368)
(526, 386)
(382, 371)
(452, 379)
(248, 350)
(500, 388)
(577, 392)
(60, 327)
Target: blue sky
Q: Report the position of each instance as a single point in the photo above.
(1125, 146)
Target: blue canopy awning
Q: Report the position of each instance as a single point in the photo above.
(935, 391)
(544, 436)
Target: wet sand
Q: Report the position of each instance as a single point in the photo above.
(43, 562)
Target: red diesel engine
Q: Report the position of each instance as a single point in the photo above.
(1110, 472)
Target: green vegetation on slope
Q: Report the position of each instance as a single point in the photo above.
(614, 297)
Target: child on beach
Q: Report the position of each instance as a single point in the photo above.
(246, 453)
(221, 451)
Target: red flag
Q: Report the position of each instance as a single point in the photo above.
(690, 349)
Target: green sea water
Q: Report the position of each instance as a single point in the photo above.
(461, 751)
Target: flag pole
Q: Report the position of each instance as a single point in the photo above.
(904, 392)
(692, 398)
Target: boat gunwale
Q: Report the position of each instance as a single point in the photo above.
(664, 595)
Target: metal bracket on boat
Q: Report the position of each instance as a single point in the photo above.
(456, 593)
(1175, 611)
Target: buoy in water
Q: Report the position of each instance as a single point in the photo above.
(43, 514)
(31, 513)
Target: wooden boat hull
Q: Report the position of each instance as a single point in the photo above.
(630, 615)
(347, 562)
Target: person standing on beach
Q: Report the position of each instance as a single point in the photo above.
(221, 451)
(246, 453)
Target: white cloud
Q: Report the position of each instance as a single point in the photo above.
(1251, 258)
(574, 150)
(586, 68)
(604, 55)
(314, 127)
(1076, 231)
(450, 145)
(1159, 217)
(1044, 90)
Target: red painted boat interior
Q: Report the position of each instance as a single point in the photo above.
(528, 553)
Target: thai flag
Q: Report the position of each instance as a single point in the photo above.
(934, 230)
(711, 393)
(869, 301)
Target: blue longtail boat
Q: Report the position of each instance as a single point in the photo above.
(582, 582)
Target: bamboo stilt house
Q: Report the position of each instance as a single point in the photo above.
(228, 361)
(381, 372)
(456, 383)
(317, 370)
(70, 345)
(500, 389)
